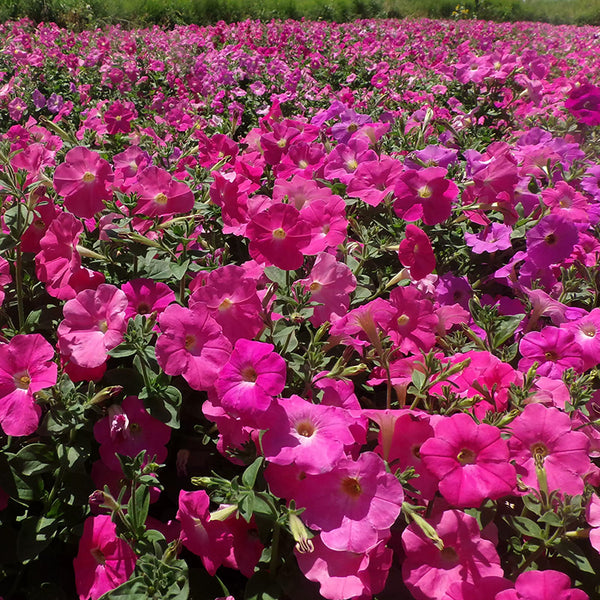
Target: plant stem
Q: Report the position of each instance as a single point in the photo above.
(19, 286)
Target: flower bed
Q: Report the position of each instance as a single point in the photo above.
(300, 310)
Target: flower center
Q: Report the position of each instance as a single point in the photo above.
(98, 556)
(352, 164)
(143, 308)
(424, 192)
(315, 286)
(279, 234)
(305, 428)
(539, 452)
(249, 374)
(550, 239)
(466, 457)
(161, 199)
(351, 486)
(88, 177)
(589, 329)
(352, 127)
(282, 143)
(449, 555)
(190, 342)
(303, 164)
(550, 355)
(103, 326)
(225, 304)
(403, 320)
(22, 380)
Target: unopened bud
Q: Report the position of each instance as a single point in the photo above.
(106, 394)
(201, 482)
(223, 513)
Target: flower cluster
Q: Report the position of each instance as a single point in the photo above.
(300, 309)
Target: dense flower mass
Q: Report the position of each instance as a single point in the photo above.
(300, 310)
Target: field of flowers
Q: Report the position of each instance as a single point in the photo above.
(297, 310)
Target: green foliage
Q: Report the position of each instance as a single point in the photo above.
(80, 14)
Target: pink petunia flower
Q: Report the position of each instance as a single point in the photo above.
(542, 585)
(251, 378)
(542, 437)
(208, 539)
(343, 574)
(5, 277)
(128, 430)
(429, 570)
(554, 348)
(104, 561)
(145, 296)
(312, 436)
(470, 460)
(494, 237)
(353, 505)
(592, 516)
(278, 237)
(94, 324)
(587, 335)
(26, 367)
(551, 240)
(425, 194)
(374, 180)
(160, 194)
(584, 104)
(415, 252)
(191, 344)
(84, 180)
(330, 284)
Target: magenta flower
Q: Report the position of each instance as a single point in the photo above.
(592, 516)
(208, 539)
(104, 561)
(551, 240)
(429, 571)
(342, 574)
(354, 505)
(118, 117)
(542, 437)
(230, 296)
(278, 236)
(554, 348)
(415, 252)
(145, 296)
(584, 104)
(374, 180)
(312, 436)
(470, 460)
(191, 344)
(5, 277)
(94, 324)
(587, 335)
(26, 367)
(251, 378)
(542, 585)
(160, 194)
(84, 180)
(425, 194)
(128, 430)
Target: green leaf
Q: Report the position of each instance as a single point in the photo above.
(134, 589)
(551, 518)
(35, 534)
(137, 509)
(179, 271)
(250, 474)
(506, 328)
(572, 553)
(276, 275)
(34, 459)
(526, 527)
(123, 351)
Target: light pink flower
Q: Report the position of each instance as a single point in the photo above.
(84, 180)
(429, 571)
(353, 505)
(543, 436)
(94, 324)
(104, 561)
(312, 436)
(191, 344)
(26, 367)
(160, 194)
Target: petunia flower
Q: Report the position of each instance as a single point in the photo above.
(104, 561)
(26, 367)
(160, 194)
(415, 252)
(542, 585)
